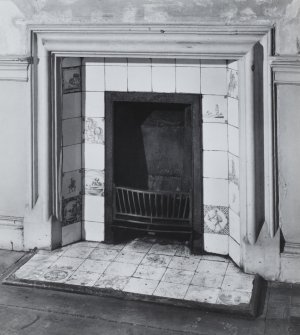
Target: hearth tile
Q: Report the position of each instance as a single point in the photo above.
(215, 136)
(178, 276)
(72, 158)
(71, 232)
(70, 62)
(78, 252)
(213, 63)
(234, 169)
(94, 130)
(92, 265)
(215, 164)
(235, 251)
(93, 208)
(116, 76)
(149, 272)
(139, 78)
(202, 294)
(206, 279)
(171, 290)
(104, 254)
(216, 219)
(233, 83)
(71, 131)
(214, 108)
(163, 249)
(233, 140)
(130, 257)
(71, 105)
(241, 282)
(93, 76)
(183, 263)
(215, 258)
(83, 243)
(234, 197)
(113, 282)
(71, 79)
(138, 245)
(94, 155)
(183, 251)
(216, 243)
(208, 266)
(83, 278)
(93, 231)
(71, 184)
(233, 270)
(141, 286)
(93, 104)
(233, 297)
(187, 78)
(215, 192)
(234, 65)
(234, 226)
(213, 80)
(71, 214)
(233, 112)
(67, 263)
(156, 260)
(94, 182)
(121, 269)
(55, 275)
(163, 76)
(119, 246)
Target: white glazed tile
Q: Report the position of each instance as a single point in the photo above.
(71, 62)
(139, 78)
(187, 78)
(234, 169)
(233, 112)
(207, 279)
(163, 76)
(129, 257)
(71, 105)
(71, 184)
(233, 140)
(234, 197)
(178, 276)
(235, 251)
(216, 243)
(141, 286)
(214, 108)
(71, 233)
(115, 77)
(94, 130)
(149, 272)
(215, 136)
(215, 164)
(234, 226)
(113, 282)
(121, 269)
(72, 158)
(92, 265)
(93, 208)
(93, 77)
(94, 155)
(241, 282)
(93, 231)
(233, 83)
(183, 263)
(156, 260)
(215, 192)
(202, 294)
(227, 297)
(93, 104)
(82, 278)
(171, 290)
(102, 254)
(213, 80)
(71, 131)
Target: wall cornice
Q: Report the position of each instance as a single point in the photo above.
(14, 69)
(286, 70)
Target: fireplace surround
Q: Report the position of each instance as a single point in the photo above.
(250, 45)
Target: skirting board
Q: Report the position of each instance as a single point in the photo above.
(11, 233)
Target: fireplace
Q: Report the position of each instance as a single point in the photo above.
(153, 166)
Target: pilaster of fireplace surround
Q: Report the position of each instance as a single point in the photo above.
(41, 225)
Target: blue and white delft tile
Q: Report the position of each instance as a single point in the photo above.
(72, 79)
(214, 108)
(71, 210)
(233, 83)
(71, 184)
(94, 130)
(94, 182)
(233, 169)
(216, 219)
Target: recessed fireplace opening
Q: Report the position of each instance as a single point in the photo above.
(151, 158)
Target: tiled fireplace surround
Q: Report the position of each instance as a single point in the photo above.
(84, 81)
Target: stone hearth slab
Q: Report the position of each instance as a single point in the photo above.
(144, 269)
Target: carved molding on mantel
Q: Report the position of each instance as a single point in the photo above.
(14, 69)
(286, 70)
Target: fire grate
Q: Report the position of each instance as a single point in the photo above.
(153, 211)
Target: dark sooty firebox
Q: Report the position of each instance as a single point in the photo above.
(153, 165)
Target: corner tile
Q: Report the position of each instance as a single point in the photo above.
(71, 79)
(227, 297)
(93, 77)
(214, 108)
